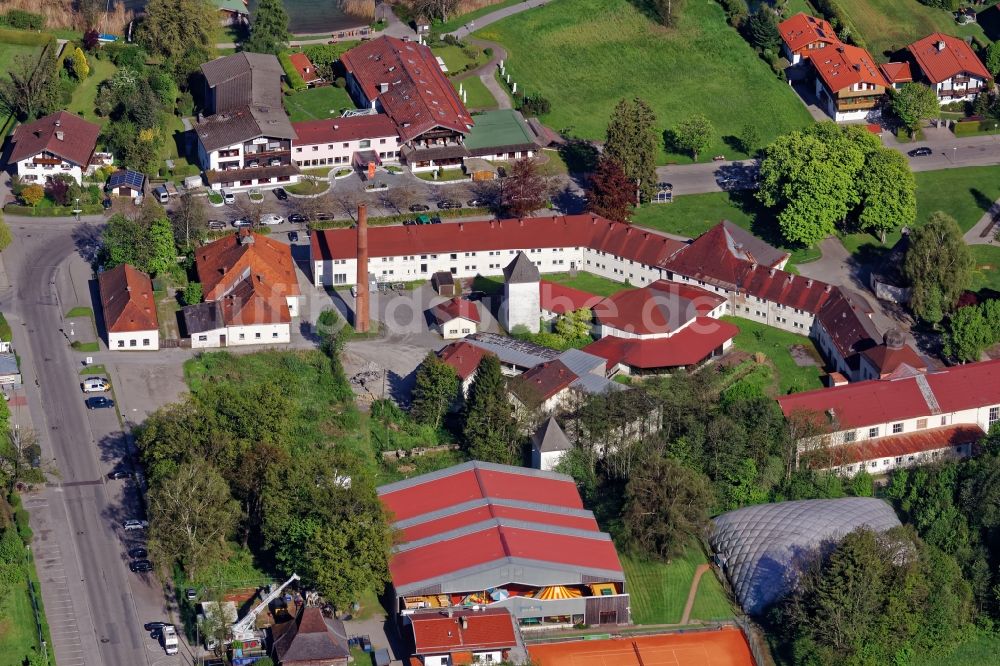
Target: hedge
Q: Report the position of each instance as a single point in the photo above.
(18, 18)
(53, 211)
(294, 80)
(22, 38)
(397, 219)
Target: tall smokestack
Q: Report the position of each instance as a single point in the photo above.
(361, 316)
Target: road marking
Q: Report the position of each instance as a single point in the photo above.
(73, 484)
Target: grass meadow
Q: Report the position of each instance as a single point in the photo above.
(478, 97)
(659, 590)
(889, 25)
(317, 103)
(775, 344)
(585, 55)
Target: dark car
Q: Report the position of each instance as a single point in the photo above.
(216, 225)
(156, 626)
(419, 208)
(138, 566)
(435, 220)
(293, 236)
(297, 218)
(281, 194)
(116, 474)
(106, 204)
(922, 151)
(449, 203)
(323, 217)
(191, 594)
(409, 223)
(139, 554)
(99, 402)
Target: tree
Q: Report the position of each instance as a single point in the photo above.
(913, 103)
(762, 29)
(189, 220)
(968, 334)
(611, 193)
(347, 558)
(59, 190)
(575, 325)
(180, 31)
(937, 263)
(77, 62)
(164, 255)
(435, 390)
(490, 431)
(193, 293)
(269, 32)
(434, 8)
(888, 193)
(693, 134)
(632, 142)
(32, 194)
(993, 59)
(666, 505)
(750, 139)
(31, 87)
(524, 189)
(191, 514)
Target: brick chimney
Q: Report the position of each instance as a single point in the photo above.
(361, 316)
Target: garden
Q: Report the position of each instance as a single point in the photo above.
(317, 103)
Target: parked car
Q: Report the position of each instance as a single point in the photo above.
(156, 626)
(117, 474)
(922, 151)
(475, 203)
(95, 385)
(297, 218)
(293, 236)
(419, 208)
(106, 204)
(323, 217)
(449, 203)
(139, 554)
(228, 197)
(216, 225)
(270, 219)
(423, 219)
(130, 525)
(281, 194)
(99, 402)
(409, 223)
(435, 220)
(191, 594)
(140, 566)
(242, 222)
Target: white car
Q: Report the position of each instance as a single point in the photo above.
(270, 219)
(130, 525)
(228, 197)
(95, 385)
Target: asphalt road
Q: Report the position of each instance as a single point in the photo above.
(93, 602)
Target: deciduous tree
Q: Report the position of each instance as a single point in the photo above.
(611, 194)
(632, 142)
(888, 193)
(490, 430)
(189, 220)
(164, 254)
(913, 103)
(31, 86)
(575, 324)
(180, 31)
(993, 59)
(693, 134)
(524, 189)
(269, 32)
(938, 263)
(346, 558)
(750, 139)
(32, 194)
(435, 389)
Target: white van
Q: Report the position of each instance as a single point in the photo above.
(95, 385)
(168, 638)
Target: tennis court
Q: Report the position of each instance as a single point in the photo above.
(719, 647)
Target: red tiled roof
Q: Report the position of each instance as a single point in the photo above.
(542, 382)
(897, 72)
(688, 347)
(899, 445)
(594, 232)
(303, 65)
(332, 130)
(884, 401)
(494, 510)
(419, 96)
(660, 307)
(127, 300)
(560, 299)
(843, 66)
(79, 138)
(487, 629)
(722, 256)
(887, 359)
(463, 357)
(455, 308)
(801, 30)
(846, 318)
(956, 57)
(790, 290)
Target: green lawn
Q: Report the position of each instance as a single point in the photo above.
(659, 590)
(85, 95)
(5, 332)
(889, 25)
(18, 636)
(981, 648)
(987, 271)
(711, 601)
(8, 52)
(965, 193)
(317, 103)
(588, 282)
(478, 96)
(775, 344)
(439, 28)
(585, 55)
(454, 57)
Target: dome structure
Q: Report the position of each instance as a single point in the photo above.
(758, 547)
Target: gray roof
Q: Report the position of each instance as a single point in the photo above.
(312, 637)
(749, 247)
(521, 270)
(259, 73)
(456, 509)
(512, 351)
(590, 371)
(244, 124)
(761, 547)
(8, 364)
(550, 437)
(202, 317)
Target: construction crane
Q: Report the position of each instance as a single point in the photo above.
(243, 630)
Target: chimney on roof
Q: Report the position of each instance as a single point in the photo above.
(245, 237)
(59, 135)
(58, 122)
(465, 622)
(857, 67)
(940, 45)
(361, 315)
(772, 272)
(809, 282)
(828, 288)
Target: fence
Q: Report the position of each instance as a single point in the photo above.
(38, 619)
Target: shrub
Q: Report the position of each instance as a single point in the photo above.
(192, 294)
(534, 105)
(340, 82)
(472, 52)
(488, 51)
(22, 20)
(736, 11)
(451, 40)
(291, 74)
(57, 190)
(32, 194)
(91, 40)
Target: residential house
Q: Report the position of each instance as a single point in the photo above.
(403, 80)
(502, 537)
(544, 389)
(803, 35)
(233, 12)
(250, 289)
(848, 82)
(548, 445)
(897, 73)
(907, 418)
(127, 183)
(455, 318)
(311, 639)
(345, 141)
(303, 65)
(247, 141)
(468, 636)
(129, 309)
(950, 67)
(464, 358)
(61, 143)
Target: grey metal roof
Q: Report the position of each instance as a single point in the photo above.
(550, 437)
(465, 467)
(483, 525)
(596, 385)
(521, 270)
(202, 317)
(8, 364)
(759, 547)
(490, 501)
(233, 66)
(590, 370)
(512, 351)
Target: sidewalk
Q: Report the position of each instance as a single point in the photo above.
(975, 235)
(498, 15)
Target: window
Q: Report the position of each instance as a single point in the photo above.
(873, 432)
(466, 331)
(145, 342)
(365, 143)
(874, 463)
(274, 335)
(850, 435)
(897, 428)
(454, 256)
(257, 335)
(899, 460)
(994, 414)
(121, 343)
(202, 338)
(944, 420)
(315, 148)
(132, 343)
(242, 336)
(381, 141)
(921, 424)
(347, 145)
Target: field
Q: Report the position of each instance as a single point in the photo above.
(775, 344)
(455, 58)
(317, 103)
(85, 95)
(982, 648)
(585, 55)
(965, 193)
(18, 637)
(477, 95)
(588, 282)
(889, 25)
(987, 271)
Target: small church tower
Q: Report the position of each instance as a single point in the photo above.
(521, 301)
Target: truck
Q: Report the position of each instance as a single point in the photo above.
(168, 639)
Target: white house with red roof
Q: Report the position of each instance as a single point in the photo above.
(61, 143)
(455, 318)
(345, 141)
(849, 84)
(659, 310)
(481, 635)
(129, 309)
(502, 537)
(464, 360)
(803, 35)
(949, 65)
(905, 419)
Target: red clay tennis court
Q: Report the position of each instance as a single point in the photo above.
(721, 647)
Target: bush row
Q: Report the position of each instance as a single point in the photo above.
(22, 20)
(52, 211)
(398, 219)
(294, 80)
(24, 38)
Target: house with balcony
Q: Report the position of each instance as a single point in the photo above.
(848, 82)
(803, 35)
(949, 66)
(246, 141)
(402, 79)
(474, 636)
(352, 141)
(58, 144)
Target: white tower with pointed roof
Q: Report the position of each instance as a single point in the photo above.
(521, 301)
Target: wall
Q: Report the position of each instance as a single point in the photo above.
(212, 339)
(41, 173)
(521, 306)
(546, 461)
(341, 152)
(135, 341)
(457, 328)
(886, 465)
(258, 334)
